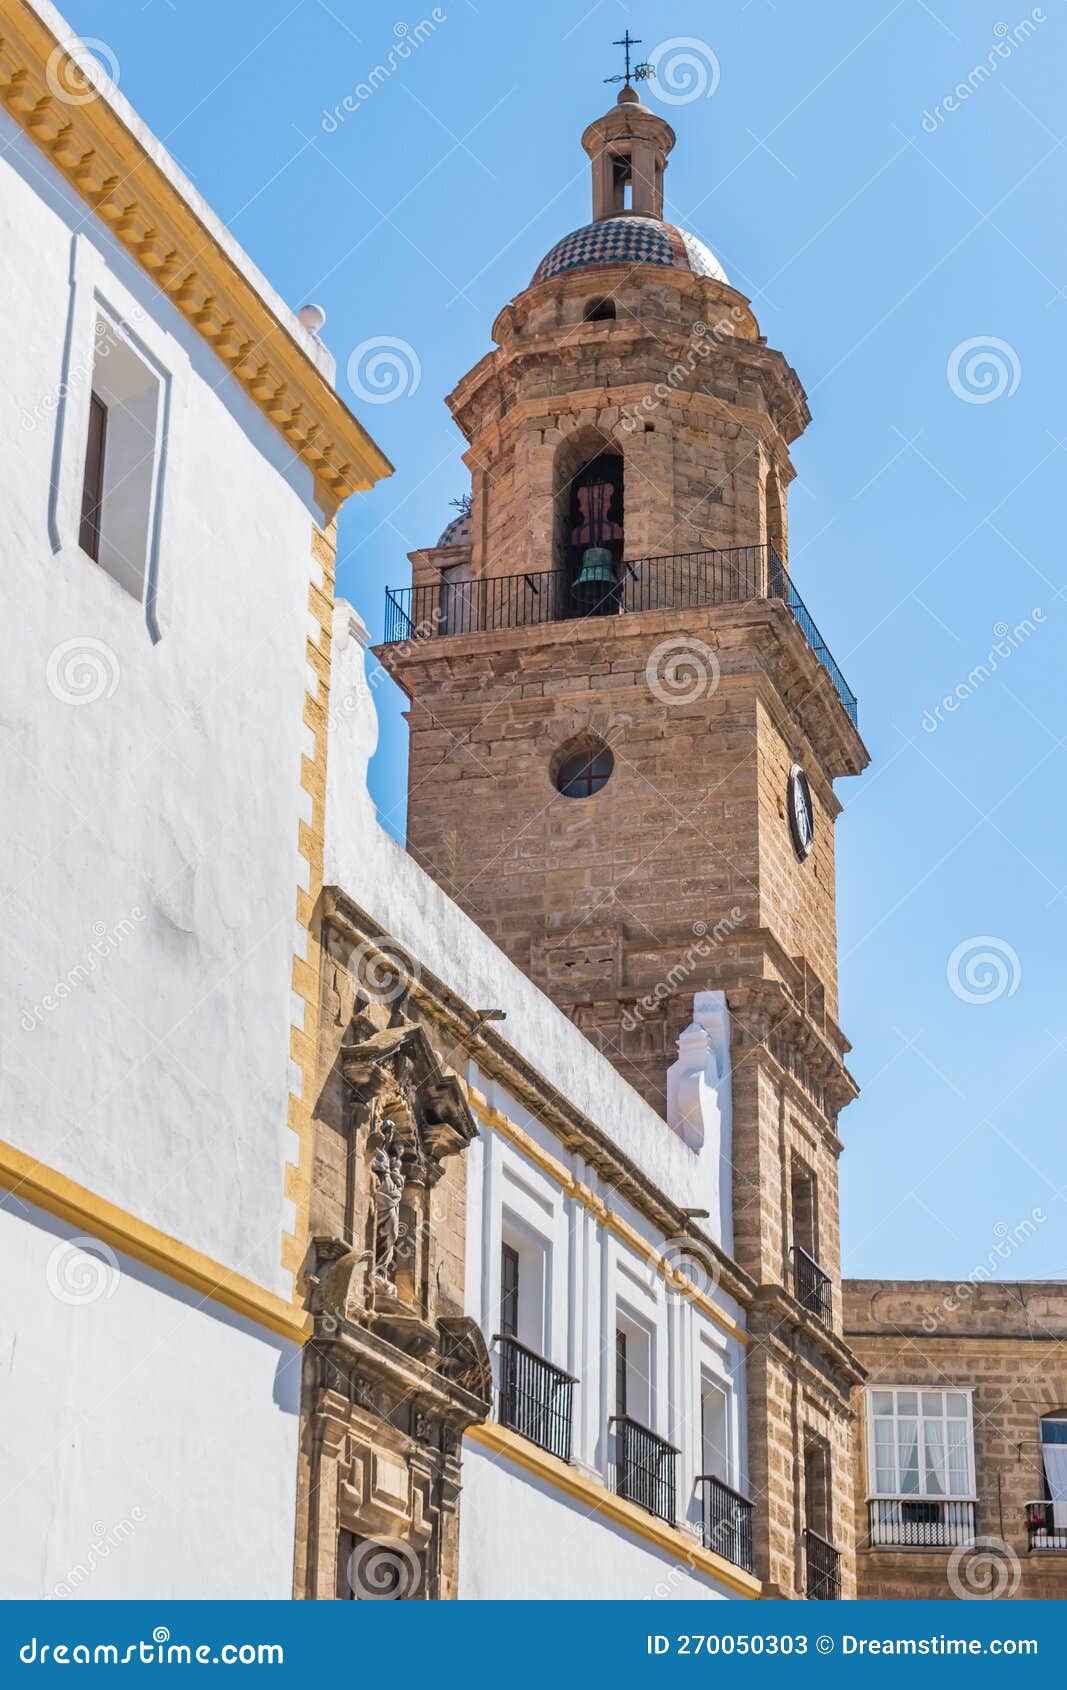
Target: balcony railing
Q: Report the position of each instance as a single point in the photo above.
(1043, 1531)
(686, 581)
(919, 1522)
(811, 1286)
(534, 1397)
(823, 1569)
(726, 1522)
(644, 1467)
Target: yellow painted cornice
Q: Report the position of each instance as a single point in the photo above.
(98, 154)
(35, 1182)
(598, 1499)
(496, 1121)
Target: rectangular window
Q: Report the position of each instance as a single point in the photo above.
(509, 1291)
(633, 1367)
(714, 1433)
(93, 483)
(805, 1215)
(920, 1443)
(123, 456)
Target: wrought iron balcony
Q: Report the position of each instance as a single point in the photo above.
(726, 1518)
(686, 581)
(919, 1522)
(822, 1564)
(534, 1397)
(1043, 1531)
(811, 1286)
(644, 1467)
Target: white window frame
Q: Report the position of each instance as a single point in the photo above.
(96, 292)
(921, 1495)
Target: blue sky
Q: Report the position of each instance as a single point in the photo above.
(911, 261)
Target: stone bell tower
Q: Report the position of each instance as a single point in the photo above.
(625, 730)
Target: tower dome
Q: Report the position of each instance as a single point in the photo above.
(628, 150)
(623, 239)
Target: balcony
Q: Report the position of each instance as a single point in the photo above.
(822, 1568)
(534, 1398)
(1043, 1531)
(687, 581)
(644, 1467)
(919, 1523)
(726, 1522)
(811, 1286)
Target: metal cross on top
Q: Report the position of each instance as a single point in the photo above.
(635, 73)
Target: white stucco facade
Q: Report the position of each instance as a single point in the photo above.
(148, 1440)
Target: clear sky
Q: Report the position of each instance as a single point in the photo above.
(910, 258)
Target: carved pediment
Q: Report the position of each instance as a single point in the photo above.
(396, 1071)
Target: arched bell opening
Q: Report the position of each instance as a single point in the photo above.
(589, 525)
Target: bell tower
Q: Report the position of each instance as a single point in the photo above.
(625, 733)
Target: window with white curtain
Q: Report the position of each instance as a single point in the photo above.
(920, 1443)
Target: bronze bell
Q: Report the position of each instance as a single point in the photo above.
(598, 569)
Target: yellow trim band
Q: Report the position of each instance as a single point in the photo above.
(52, 1191)
(501, 1441)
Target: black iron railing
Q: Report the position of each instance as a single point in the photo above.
(644, 1467)
(823, 1569)
(687, 580)
(1042, 1529)
(534, 1397)
(919, 1522)
(726, 1519)
(811, 1286)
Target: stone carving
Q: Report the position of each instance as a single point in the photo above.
(387, 1166)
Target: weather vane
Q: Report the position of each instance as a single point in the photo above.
(635, 73)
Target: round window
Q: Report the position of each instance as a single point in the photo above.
(584, 772)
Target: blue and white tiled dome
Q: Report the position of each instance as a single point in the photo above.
(630, 240)
(458, 532)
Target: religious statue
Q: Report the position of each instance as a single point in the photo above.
(388, 1169)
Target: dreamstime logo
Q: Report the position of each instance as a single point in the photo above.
(683, 70)
(383, 969)
(705, 940)
(1008, 640)
(383, 1570)
(384, 368)
(1008, 1240)
(1004, 45)
(703, 341)
(81, 1271)
(982, 369)
(106, 941)
(681, 670)
(983, 969)
(76, 69)
(105, 1539)
(406, 38)
(984, 1570)
(687, 1266)
(82, 670)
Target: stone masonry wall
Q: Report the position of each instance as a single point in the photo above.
(1007, 1342)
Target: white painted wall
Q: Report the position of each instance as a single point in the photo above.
(519, 1538)
(148, 1441)
(150, 839)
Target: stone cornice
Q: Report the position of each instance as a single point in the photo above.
(790, 675)
(142, 203)
(775, 1310)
